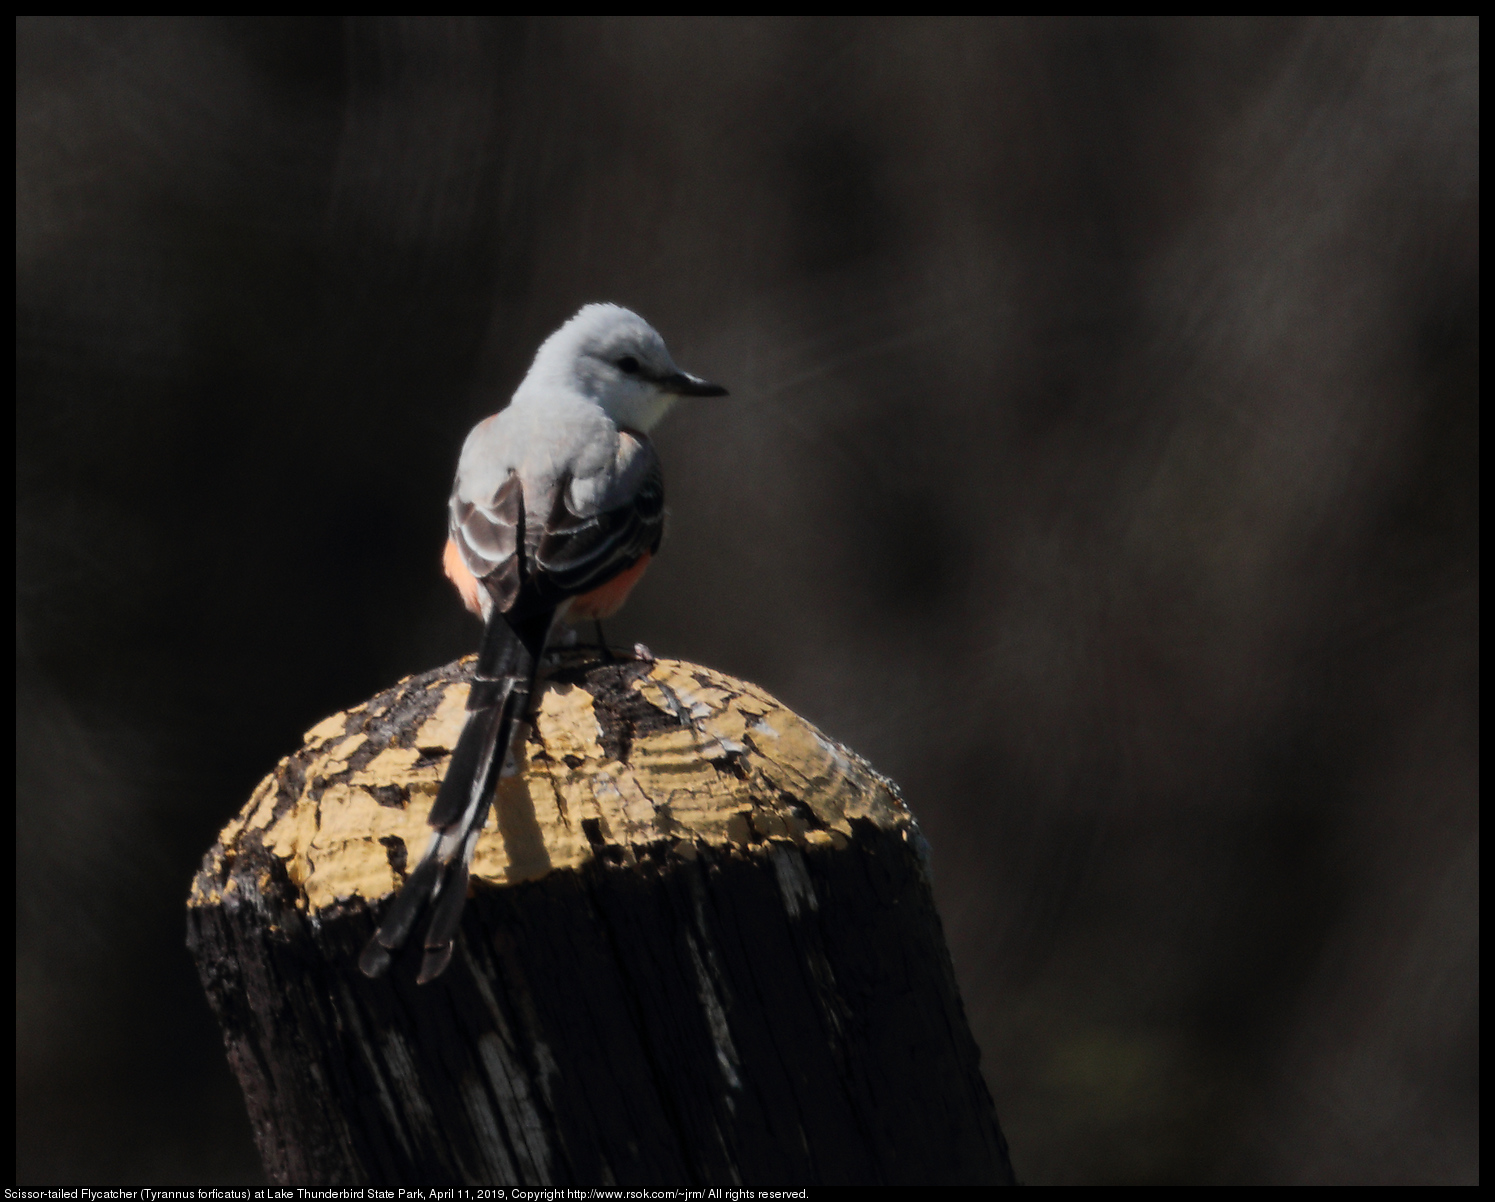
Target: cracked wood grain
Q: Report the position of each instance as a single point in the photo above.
(700, 947)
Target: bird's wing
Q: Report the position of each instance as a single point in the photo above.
(594, 528)
(489, 535)
(587, 542)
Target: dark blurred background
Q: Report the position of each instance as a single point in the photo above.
(1101, 463)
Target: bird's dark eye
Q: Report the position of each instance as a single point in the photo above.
(628, 365)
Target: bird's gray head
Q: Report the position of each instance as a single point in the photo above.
(618, 360)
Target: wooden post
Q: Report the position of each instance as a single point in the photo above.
(700, 950)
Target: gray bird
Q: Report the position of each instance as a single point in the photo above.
(557, 507)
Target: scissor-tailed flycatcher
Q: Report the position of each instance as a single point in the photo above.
(557, 508)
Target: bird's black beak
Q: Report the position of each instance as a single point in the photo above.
(684, 384)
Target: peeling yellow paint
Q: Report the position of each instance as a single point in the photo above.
(442, 728)
(669, 793)
(393, 766)
(257, 813)
(327, 728)
(567, 722)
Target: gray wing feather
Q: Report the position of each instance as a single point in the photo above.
(578, 553)
(571, 552)
(489, 536)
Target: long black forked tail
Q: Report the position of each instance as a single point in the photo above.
(496, 706)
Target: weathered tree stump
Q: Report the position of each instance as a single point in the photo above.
(700, 948)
